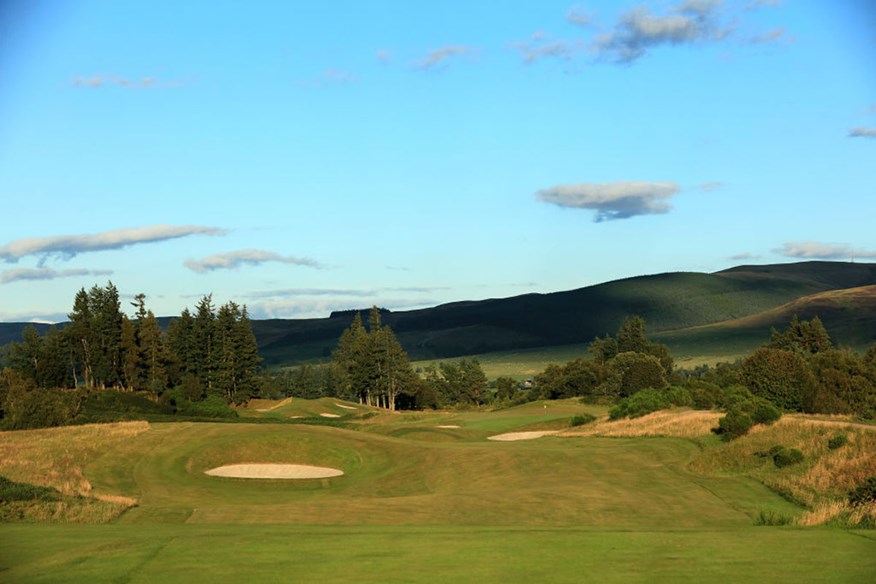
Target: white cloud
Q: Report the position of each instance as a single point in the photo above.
(638, 30)
(245, 257)
(862, 133)
(68, 246)
(814, 250)
(440, 56)
(21, 274)
(619, 200)
(98, 81)
(710, 186)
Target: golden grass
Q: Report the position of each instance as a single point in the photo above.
(821, 482)
(55, 457)
(678, 423)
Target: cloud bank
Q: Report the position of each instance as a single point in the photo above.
(68, 246)
(618, 200)
(22, 274)
(245, 257)
(440, 56)
(813, 250)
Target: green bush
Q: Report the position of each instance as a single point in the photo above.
(581, 419)
(640, 403)
(734, 424)
(762, 411)
(837, 441)
(111, 405)
(704, 395)
(13, 491)
(212, 406)
(733, 395)
(679, 396)
(864, 493)
(787, 456)
(25, 406)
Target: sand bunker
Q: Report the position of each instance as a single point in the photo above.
(330, 415)
(274, 471)
(511, 436)
(345, 407)
(447, 426)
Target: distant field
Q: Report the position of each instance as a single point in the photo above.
(424, 496)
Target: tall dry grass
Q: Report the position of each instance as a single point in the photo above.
(55, 457)
(679, 423)
(821, 482)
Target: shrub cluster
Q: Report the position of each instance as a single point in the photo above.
(581, 419)
(837, 441)
(743, 414)
(650, 400)
(783, 457)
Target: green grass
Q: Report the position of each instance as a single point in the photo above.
(419, 504)
(288, 553)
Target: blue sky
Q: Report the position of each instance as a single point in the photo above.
(301, 157)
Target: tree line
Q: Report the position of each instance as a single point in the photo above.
(212, 352)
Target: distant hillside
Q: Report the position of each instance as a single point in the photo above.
(667, 301)
(673, 304)
(848, 315)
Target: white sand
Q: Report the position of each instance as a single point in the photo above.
(345, 407)
(447, 426)
(274, 471)
(511, 436)
(330, 415)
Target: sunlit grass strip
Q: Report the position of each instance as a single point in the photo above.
(677, 423)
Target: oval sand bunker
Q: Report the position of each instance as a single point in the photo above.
(274, 471)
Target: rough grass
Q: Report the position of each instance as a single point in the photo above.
(821, 482)
(678, 423)
(56, 458)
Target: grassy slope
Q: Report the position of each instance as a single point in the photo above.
(413, 507)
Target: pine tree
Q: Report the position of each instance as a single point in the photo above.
(204, 357)
(154, 355)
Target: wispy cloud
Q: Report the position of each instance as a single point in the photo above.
(34, 317)
(814, 250)
(439, 57)
(98, 81)
(303, 292)
(21, 274)
(775, 35)
(710, 186)
(638, 30)
(744, 256)
(862, 133)
(68, 246)
(320, 308)
(763, 4)
(384, 56)
(540, 46)
(580, 16)
(618, 200)
(330, 76)
(245, 257)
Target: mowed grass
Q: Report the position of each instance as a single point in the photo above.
(417, 509)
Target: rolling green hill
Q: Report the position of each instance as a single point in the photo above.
(692, 312)
(849, 316)
(668, 302)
